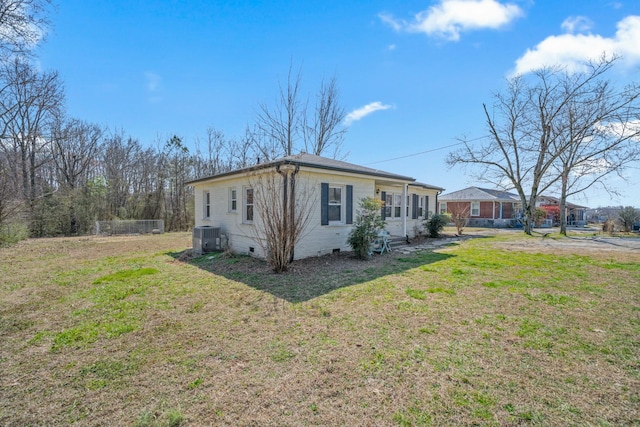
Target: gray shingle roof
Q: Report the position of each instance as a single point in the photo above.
(476, 193)
(318, 162)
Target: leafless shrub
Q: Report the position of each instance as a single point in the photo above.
(459, 212)
(282, 207)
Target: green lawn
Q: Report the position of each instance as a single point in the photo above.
(121, 331)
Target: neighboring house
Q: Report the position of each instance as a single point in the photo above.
(331, 188)
(483, 207)
(575, 214)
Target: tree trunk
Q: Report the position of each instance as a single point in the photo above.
(563, 204)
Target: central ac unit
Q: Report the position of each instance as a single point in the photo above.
(206, 239)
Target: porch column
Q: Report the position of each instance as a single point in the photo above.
(403, 205)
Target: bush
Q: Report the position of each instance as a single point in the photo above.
(627, 217)
(12, 233)
(436, 224)
(366, 227)
(539, 215)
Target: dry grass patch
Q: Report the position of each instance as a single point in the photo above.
(128, 331)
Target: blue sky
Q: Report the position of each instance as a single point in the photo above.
(412, 74)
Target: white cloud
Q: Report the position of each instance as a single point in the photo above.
(591, 167)
(572, 50)
(630, 129)
(451, 17)
(391, 21)
(575, 24)
(362, 112)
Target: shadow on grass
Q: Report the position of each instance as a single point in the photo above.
(308, 278)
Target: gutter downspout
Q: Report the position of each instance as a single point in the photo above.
(403, 205)
(288, 202)
(292, 217)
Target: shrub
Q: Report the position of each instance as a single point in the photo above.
(12, 233)
(436, 224)
(627, 217)
(539, 215)
(366, 227)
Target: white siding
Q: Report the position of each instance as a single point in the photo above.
(240, 236)
(324, 239)
(317, 239)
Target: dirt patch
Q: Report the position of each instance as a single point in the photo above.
(578, 242)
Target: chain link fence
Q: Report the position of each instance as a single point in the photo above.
(139, 226)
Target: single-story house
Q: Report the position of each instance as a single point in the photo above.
(484, 207)
(327, 193)
(575, 214)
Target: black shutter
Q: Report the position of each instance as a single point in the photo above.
(324, 203)
(426, 207)
(349, 204)
(383, 196)
(414, 206)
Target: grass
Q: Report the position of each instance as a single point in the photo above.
(117, 331)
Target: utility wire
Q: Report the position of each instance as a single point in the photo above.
(427, 151)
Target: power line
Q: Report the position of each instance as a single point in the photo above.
(427, 151)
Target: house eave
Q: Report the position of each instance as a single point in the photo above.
(262, 166)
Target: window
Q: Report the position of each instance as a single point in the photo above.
(207, 204)
(388, 205)
(393, 205)
(408, 204)
(420, 207)
(475, 208)
(335, 203)
(397, 205)
(443, 207)
(248, 204)
(233, 200)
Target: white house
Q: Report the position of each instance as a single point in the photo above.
(328, 189)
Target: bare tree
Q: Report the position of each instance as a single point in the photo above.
(280, 125)
(178, 166)
(459, 212)
(74, 149)
(243, 152)
(325, 130)
(217, 155)
(282, 212)
(34, 100)
(287, 127)
(599, 130)
(526, 135)
(119, 158)
(627, 217)
(10, 203)
(22, 25)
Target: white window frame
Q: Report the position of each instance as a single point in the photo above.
(206, 204)
(394, 210)
(246, 204)
(477, 210)
(233, 200)
(420, 206)
(342, 204)
(443, 208)
(408, 205)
